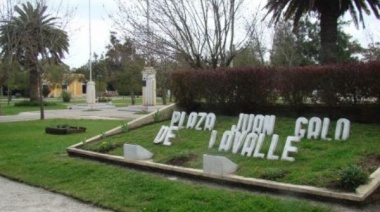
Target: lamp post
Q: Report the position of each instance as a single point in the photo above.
(91, 92)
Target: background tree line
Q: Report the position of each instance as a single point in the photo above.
(178, 35)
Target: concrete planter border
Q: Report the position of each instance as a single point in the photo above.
(361, 195)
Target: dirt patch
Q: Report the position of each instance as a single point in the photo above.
(370, 163)
(182, 159)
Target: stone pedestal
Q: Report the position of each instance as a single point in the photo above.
(218, 165)
(91, 93)
(136, 152)
(149, 86)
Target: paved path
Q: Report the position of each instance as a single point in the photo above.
(119, 113)
(17, 197)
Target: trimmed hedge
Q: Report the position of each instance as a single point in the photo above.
(231, 91)
(27, 103)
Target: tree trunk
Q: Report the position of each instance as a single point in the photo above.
(163, 95)
(329, 35)
(133, 98)
(1, 97)
(33, 84)
(41, 99)
(9, 95)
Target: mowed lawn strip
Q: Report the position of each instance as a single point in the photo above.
(8, 110)
(29, 155)
(317, 162)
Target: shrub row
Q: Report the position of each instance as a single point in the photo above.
(235, 90)
(27, 103)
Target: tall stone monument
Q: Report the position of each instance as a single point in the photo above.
(91, 92)
(149, 86)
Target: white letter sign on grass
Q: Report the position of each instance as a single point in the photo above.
(272, 148)
(160, 137)
(226, 142)
(197, 121)
(164, 135)
(314, 129)
(288, 148)
(317, 129)
(298, 131)
(170, 135)
(342, 131)
(249, 144)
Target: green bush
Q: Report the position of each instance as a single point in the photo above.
(106, 146)
(27, 103)
(273, 174)
(66, 96)
(351, 177)
(104, 99)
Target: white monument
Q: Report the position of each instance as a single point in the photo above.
(91, 93)
(149, 86)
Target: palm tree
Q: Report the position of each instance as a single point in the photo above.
(328, 12)
(30, 37)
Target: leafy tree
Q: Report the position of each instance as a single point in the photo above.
(124, 65)
(285, 50)
(372, 52)
(248, 56)
(31, 35)
(328, 12)
(303, 46)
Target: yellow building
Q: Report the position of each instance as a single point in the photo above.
(75, 84)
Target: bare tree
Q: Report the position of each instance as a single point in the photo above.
(203, 33)
(372, 52)
(258, 30)
(6, 62)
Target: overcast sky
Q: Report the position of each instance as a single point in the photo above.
(101, 26)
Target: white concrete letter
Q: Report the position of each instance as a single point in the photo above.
(161, 135)
(170, 135)
(226, 142)
(314, 129)
(249, 144)
(244, 126)
(259, 145)
(298, 131)
(325, 129)
(211, 143)
(200, 120)
(288, 148)
(240, 122)
(210, 121)
(258, 124)
(175, 118)
(238, 141)
(182, 120)
(269, 122)
(192, 120)
(272, 148)
(345, 125)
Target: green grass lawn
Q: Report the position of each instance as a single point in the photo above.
(29, 155)
(126, 101)
(7, 110)
(317, 162)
